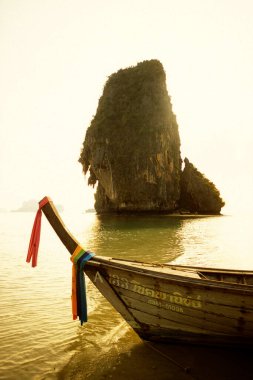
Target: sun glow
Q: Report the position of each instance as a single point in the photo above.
(56, 57)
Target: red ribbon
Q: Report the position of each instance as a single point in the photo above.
(35, 236)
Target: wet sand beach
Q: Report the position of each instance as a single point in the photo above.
(131, 358)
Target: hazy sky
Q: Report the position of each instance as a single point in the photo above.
(55, 56)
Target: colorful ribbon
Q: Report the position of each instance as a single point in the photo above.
(79, 258)
(79, 303)
(35, 236)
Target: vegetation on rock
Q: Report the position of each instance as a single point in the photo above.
(132, 146)
(198, 194)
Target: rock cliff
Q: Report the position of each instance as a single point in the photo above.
(198, 194)
(132, 146)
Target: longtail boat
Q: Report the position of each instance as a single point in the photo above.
(171, 303)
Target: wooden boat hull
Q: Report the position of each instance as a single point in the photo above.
(169, 308)
(172, 303)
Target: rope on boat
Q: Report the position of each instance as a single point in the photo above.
(187, 370)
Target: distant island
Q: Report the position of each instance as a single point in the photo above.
(132, 150)
(90, 210)
(32, 206)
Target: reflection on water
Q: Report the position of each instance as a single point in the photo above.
(217, 241)
(37, 333)
(146, 238)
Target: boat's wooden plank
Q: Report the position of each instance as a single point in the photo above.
(217, 316)
(214, 270)
(174, 267)
(58, 225)
(108, 292)
(161, 269)
(159, 334)
(190, 293)
(197, 318)
(242, 278)
(224, 314)
(152, 320)
(173, 276)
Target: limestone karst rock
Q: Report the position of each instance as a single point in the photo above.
(198, 194)
(132, 146)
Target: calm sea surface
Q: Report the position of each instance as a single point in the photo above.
(38, 338)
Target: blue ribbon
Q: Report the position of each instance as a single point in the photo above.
(80, 285)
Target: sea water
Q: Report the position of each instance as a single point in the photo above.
(38, 337)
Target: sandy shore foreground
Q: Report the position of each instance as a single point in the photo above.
(131, 358)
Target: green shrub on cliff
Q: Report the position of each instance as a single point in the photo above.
(198, 194)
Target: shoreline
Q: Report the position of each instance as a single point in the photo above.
(126, 356)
